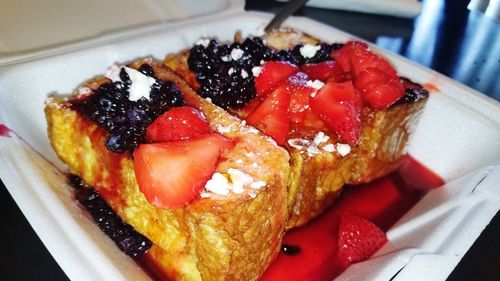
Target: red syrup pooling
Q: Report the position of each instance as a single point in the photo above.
(4, 131)
(383, 202)
(312, 249)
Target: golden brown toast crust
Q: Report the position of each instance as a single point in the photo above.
(317, 179)
(215, 238)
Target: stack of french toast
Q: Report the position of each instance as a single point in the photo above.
(215, 152)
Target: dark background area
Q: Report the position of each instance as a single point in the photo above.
(447, 37)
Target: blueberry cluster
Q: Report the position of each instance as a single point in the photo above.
(225, 71)
(295, 57)
(125, 237)
(125, 120)
(222, 78)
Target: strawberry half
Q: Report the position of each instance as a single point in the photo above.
(355, 56)
(323, 71)
(271, 116)
(358, 239)
(373, 75)
(342, 58)
(339, 106)
(171, 174)
(379, 89)
(179, 123)
(272, 74)
(300, 94)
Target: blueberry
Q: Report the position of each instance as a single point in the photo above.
(413, 91)
(228, 82)
(105, 104)
(125, 237)
(126, 121)
(323, 54)
(76, 182)
(114, 142)
(124, 76)
(135, 116)
(146, 69)
(221, 77)
(290, 250)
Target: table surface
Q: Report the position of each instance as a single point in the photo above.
(447, 37)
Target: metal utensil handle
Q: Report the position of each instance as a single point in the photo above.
(284, 13)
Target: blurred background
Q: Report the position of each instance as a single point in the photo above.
(447, 36)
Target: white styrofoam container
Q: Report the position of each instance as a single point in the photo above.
(458, 137)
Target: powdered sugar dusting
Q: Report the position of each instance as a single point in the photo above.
(203, 42)
(258, 184)
(84, 91)
(244, 74)
(308, 51)
(329, 148)
(317, 145)
(316, 84)
(223, 129)
(236, 53)
(234, 181)
(343, 149)
(218, 184)
(140, 86)
(256, 70)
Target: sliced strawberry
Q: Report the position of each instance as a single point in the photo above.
(171, 174)
(379, 89)
(339, 106)
(179, 123)
(373, 75)
(370, 76)
(381, 96)
(358, 238)
(323, 71)
(272, 74)
(300, 94)
(311, 120)
(341, 57)
(271, 116)
(360, 57)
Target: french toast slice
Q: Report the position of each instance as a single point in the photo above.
(317, 175)
(214, 237)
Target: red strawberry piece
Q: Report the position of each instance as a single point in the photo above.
(379, 89)
(300, 94)
(360, 58)
(339, 106)
(179, 123)
(271, 116)
(171, 174)
(342, 58)
(311, 120)
(358, 238)
(373, 75)
(381, 96)
(323, 71)
(272, 74)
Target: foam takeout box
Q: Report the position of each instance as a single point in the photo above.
(457, 136)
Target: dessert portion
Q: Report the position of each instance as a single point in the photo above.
(207, 190)
(341, 111)
(213, 154)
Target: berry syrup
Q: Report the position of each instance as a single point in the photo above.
(4, 130)
(310, 252)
